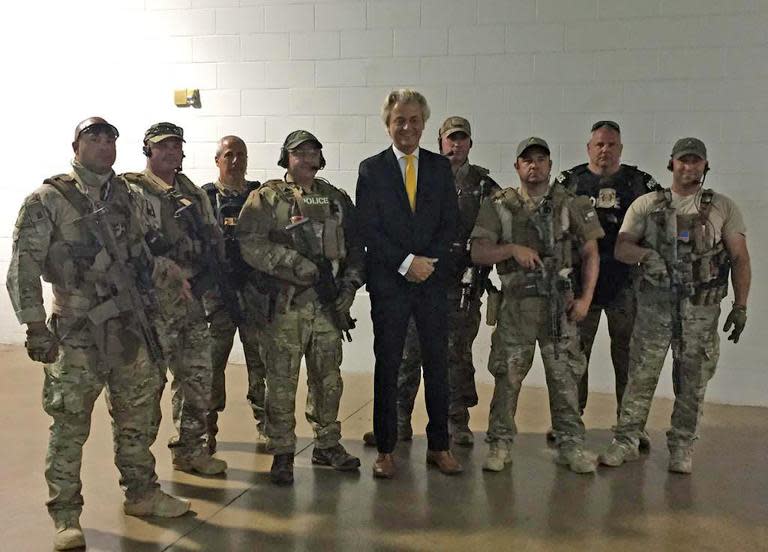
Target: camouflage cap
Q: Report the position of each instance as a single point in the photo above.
(610, 124)
(298, 137)
(160, 131)
(689, 146)
(92, 124)
(531, 142)
(455, 124)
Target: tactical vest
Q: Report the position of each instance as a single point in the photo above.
(699, 267)
(186, 245)
(322, 207)
(84, 265)
(545, 229)
(226, 209)
(471, 191)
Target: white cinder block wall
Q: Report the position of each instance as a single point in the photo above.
(662, 68)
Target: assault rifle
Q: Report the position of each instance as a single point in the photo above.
(216, 271)
(554, 281)
(307, 243)
(129, 295)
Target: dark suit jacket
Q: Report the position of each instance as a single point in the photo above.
(390, 230)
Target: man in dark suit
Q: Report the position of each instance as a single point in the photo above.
(407, 209)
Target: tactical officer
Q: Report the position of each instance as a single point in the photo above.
(530, 234)
(228, 313)
(467, 286)
(299, 233)
(182, 214)
(685, 240)
(611, 186)
(80, 232)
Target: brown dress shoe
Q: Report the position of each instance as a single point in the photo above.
(444, 461)
(384, 466)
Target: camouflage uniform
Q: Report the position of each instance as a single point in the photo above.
(611, 197)
(472, 185)
(697, 223)
(99, 347)
(182, 326)
(300, 326)
(525, 317)
(226, 206)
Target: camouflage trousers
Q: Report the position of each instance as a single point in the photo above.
(620, 314)
(187, 348)
(522, 323)
(303, 331)
(72, 384)
(463, 326)
(695, 358)
(222, 329)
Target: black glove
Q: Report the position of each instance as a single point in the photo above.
(738, 319)
(345, 299)
(41, 344)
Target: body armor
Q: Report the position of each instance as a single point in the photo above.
(698, 267)
(611, 197)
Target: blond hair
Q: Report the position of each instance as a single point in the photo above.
(404, 96)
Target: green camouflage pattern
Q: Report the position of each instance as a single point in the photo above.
(697, 356)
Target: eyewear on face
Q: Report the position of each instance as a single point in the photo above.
(306, 153)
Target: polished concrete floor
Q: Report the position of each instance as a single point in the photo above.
(533, 505)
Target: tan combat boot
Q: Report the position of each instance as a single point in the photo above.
(576, 458)
(499, 455)
(617, 453)
(205, 464)
(69, 535)
(157, 504)
(681, 460)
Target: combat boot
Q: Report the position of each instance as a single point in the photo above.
(499, 454)
(458, 427)
(336, 457)
(369, 439)
(681, 460)
(157, 504)
(404, 430)
(617, 453)
(281, 472)
(69, 535)
(205, 464)
(577, 460)
(645, 441)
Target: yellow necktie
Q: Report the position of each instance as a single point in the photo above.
(410, 181)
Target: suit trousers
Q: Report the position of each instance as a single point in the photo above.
(390, 312)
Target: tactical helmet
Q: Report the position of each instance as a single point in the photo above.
(293, 141)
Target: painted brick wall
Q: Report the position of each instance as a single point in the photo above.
(662, 68)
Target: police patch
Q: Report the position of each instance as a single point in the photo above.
(607, 199)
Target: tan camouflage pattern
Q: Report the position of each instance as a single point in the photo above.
(522, 323)
(300, 327)
(697, 356)
(307, 332)
(182, 327)
(222, 329)
(91, 358)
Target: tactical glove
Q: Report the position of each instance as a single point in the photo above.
(41, 344)
(345, 299)
(305, 270)
(738, 319)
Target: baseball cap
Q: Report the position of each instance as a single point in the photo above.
(455, 124)
(92, 124)
(610, 124)
(533, 141)
(160, 131)
(298, 137)
(689, 146)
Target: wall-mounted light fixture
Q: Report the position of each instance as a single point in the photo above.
(186, 97)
